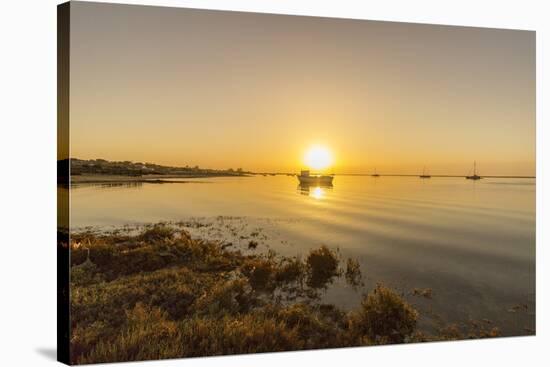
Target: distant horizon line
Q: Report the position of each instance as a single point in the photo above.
(439, 175)
(335, 174)
(398, 175)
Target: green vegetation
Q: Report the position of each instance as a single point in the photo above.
(161, 294)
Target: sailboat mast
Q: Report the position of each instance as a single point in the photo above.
(475, 168)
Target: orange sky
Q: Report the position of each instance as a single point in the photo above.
(229, 89)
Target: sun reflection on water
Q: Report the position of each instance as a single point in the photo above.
(317, 193)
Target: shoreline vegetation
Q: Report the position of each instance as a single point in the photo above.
(159, 293)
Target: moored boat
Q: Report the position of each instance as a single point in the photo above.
(475, 175)
(306, 178)
(424, 174)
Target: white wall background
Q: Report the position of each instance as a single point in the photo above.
(28, 181)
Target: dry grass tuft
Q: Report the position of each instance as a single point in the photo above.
(353, 273)
(322, 266)
(383, 318)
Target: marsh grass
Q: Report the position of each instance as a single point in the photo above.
(354, 277)
(322, 267)
(383, 318)
(161, 294)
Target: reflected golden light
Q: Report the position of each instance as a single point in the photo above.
(318, 157)
(317, 193)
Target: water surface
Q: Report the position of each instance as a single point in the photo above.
(471, 242)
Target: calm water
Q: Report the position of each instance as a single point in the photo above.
(473, 243)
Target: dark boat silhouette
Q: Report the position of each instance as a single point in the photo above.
(474, 176)
(306, 178)
(375, 174)
(424, 175)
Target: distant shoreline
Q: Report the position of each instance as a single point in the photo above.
(125, 171)
(113, 179)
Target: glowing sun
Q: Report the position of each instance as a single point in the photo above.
(318, 157)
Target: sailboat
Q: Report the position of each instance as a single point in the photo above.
(424, 175)
(474, 176)
(375, 174)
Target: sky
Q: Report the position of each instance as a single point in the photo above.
(230, 89)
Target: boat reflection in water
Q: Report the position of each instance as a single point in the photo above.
(314, 185)
(316, 191)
